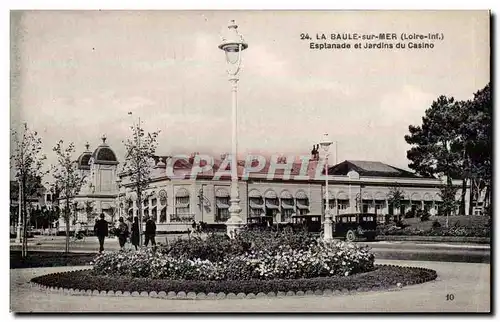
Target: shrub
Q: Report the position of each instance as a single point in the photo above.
(436, 224)
(425, 216)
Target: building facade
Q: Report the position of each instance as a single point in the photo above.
(185, 189)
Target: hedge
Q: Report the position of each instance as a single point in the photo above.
(383, 277)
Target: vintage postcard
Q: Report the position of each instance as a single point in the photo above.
(250, 161)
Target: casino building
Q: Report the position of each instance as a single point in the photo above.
(174, 197)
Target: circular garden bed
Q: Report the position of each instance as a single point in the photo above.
(382, 277)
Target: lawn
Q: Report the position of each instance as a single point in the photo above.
(49, 259)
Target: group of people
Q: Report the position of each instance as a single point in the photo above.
(101, 230)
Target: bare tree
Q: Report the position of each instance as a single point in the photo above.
(140, 152)
(27, 160)
(68, 180)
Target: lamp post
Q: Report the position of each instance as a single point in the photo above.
(232, 45)
(118, 185)
(19, 226)
(325, 144)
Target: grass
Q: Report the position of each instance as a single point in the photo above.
(382, 277)
(49, 259)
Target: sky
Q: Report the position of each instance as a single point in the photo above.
(75, 75)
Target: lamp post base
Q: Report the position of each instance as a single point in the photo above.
(328, 231)
(18, 234)
(234, 223)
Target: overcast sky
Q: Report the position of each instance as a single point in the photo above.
(77, 74)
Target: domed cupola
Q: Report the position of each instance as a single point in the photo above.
(103, 154)
(84, 158)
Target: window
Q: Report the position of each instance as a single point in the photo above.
(287, 208)
(352, 219)
(302, 206)
(163, 215)
(344, 219)
(182, 207)
(256, 206)
(222, 204)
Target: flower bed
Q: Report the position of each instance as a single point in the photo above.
(382, 277)
(250, 256)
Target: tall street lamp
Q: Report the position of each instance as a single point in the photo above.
(232, 45)
(325, 144)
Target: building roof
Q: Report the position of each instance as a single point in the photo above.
(370, 169)
(84, 158)
(103, 154)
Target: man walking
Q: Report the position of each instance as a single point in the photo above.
(122, 232)
(101, 231)
(150, 232)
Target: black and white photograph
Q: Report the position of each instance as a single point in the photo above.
(250, 161)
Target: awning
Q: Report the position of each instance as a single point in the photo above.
(182, 193)
(182, 205)
(302, 206)
(379, 196)
(302, 202)
(222, 193)
(255, 205)
(271, 205)
(222, 205)
(286, 206)
(271, 194)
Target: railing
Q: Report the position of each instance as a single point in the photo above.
(182, 218)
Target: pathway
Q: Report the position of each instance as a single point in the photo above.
(469, 284)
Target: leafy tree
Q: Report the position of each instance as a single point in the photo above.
(449, 204)
(476, 131)
(27, 160)
(68, 180)
(89, 210)
(140, 153)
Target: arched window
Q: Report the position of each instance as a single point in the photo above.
(182, 207)
(302, 203)
(287, 206)
(271, 203)
(256, 204)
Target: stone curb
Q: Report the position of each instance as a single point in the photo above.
(182, 295)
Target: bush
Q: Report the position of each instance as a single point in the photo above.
(436, 224)
(249, 256)
(425, 216)
(382, 276)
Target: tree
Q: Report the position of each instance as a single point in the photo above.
(27, 160)
(68, 180)
(395, 196)
(89, 210)
(140, 152)
(449, 204)
(476, 131)
(437, 147)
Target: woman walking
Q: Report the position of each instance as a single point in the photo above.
(134, 239)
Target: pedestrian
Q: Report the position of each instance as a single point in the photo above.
(101, 231)
(122, 232)
(150, 232)
(193, 225)
(134, 239)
